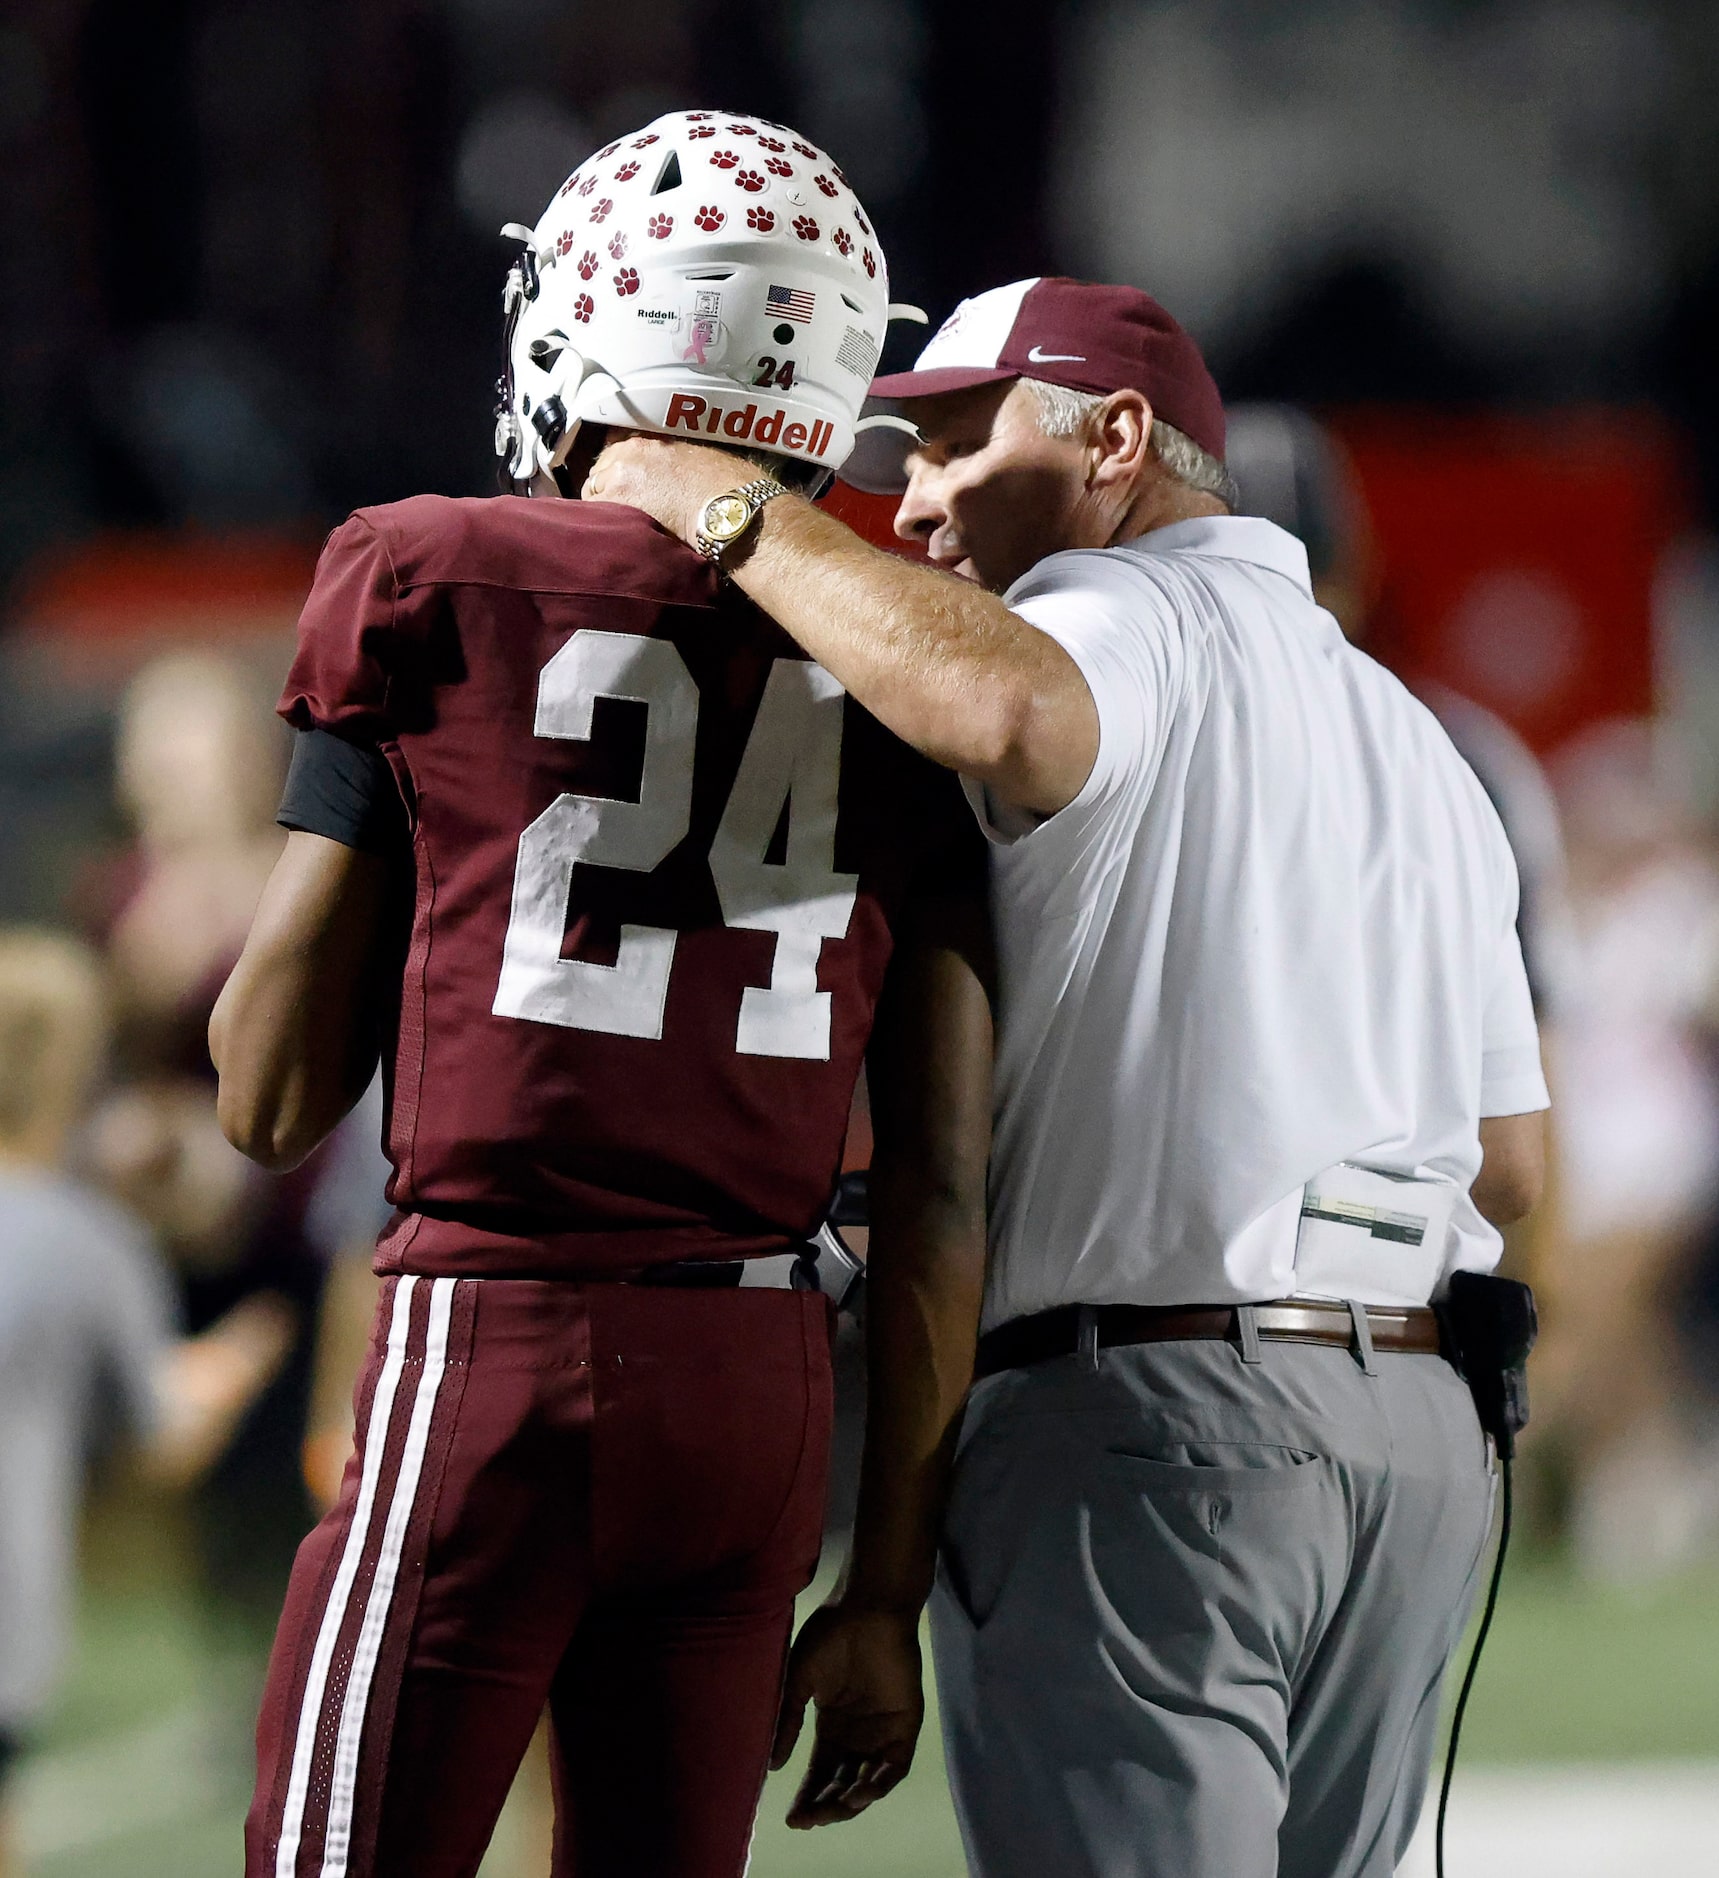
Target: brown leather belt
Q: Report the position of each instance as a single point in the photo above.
(1408, 1330)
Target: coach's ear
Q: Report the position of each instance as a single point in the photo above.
(1119, 445)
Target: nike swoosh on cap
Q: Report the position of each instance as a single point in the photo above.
(1036, 357)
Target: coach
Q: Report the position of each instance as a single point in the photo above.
(1267, 1074)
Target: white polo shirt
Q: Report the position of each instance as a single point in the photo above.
(1274, 931)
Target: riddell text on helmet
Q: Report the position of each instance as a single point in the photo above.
(745, 424)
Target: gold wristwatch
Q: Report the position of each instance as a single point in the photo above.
(725, 518)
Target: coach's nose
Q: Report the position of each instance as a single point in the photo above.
(920, 515)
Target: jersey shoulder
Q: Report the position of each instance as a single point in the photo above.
(536, 545)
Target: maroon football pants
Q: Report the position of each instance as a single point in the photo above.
(599, 1497)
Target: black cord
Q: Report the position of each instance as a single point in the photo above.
(1473, 1665)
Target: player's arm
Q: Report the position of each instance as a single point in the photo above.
(944, 663)
(930, 1078)
(296, 1031)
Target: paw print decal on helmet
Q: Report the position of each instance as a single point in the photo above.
(641, 143)
(627, 172)
(777, 167)
(724, 159)
(601, 212)
(702, 130)
(617, 247)
(588, 184)
(710, 218)
(743, 130)
(588, 264)
(660, 227)
(859, 216)
(584, 307)
(563, 243)
(627, 281)
(750, 181)
(771, 143)
(870, 263)
(825, 184)
(805, 228)
(844, 241)
(761, 219)
(608, 150)
(806, 150)
(571, 183)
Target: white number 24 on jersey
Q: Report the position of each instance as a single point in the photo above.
(792, 759)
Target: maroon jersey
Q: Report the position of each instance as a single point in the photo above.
(659, 860)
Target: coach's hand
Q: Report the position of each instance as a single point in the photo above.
(670, 480)
(861, 1668)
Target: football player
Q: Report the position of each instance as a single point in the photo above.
(658, 884)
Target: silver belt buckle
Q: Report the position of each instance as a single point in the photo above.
(838, 1274)
(775, 1273)
(824, 1265)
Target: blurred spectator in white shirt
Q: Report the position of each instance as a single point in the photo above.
(1639, 1109)
(85, 1324)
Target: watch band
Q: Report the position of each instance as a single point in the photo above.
(754, 494)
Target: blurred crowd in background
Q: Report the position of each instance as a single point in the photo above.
(1455, 263)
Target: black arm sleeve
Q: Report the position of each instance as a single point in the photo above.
(344, 791)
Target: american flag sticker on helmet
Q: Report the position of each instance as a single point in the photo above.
(790, 303)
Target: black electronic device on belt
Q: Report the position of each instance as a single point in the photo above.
(1490, 1325)
(1489, 1328)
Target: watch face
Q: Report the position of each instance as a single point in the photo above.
(726, 516)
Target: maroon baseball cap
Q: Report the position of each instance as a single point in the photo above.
(1077, 333)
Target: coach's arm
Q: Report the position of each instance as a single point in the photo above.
(929, 1068)
(294, 1035)
(1512, 1174)
(940, 660)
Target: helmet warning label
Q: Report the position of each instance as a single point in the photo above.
(858, 353)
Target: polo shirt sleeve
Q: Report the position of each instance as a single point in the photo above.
(1512, 1081)
(1120, 630)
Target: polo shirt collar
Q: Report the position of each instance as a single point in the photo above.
(1233, 538)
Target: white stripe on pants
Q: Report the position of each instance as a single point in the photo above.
(375, 1439)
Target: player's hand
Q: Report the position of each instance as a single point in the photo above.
(862, 1671)
(670, 480)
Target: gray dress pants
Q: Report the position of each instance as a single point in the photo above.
(1193, 1613)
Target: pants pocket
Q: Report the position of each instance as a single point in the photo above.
(1189, 1491)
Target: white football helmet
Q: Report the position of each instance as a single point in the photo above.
(712, 276)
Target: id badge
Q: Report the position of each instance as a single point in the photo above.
(1376, 1238)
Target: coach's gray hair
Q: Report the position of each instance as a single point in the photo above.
(1066, 413)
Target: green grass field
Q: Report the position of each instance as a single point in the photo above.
(145, 1768)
